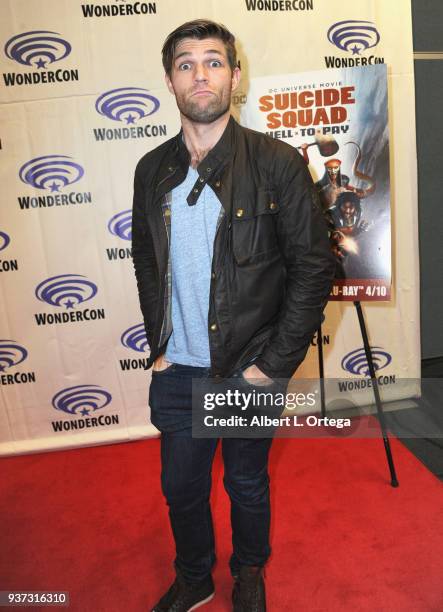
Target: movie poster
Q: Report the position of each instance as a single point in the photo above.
(338, 121)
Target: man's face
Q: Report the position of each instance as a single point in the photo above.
(348, 212)
(202, 80)
(333, 170)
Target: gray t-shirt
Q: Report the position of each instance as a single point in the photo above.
(192, 238)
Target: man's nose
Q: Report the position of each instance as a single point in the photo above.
(200, 73)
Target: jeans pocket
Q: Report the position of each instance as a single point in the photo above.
(257, 382)
(170, 367)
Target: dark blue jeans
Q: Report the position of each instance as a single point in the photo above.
(186, 480)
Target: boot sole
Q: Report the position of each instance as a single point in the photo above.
(202, 602)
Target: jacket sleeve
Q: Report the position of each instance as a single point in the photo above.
(310, 267)
(143, 256)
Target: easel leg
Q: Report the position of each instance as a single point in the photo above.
(380, 413)
(321, 371)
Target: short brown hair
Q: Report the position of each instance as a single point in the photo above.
(199, 29)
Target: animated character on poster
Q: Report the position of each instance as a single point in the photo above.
(341, 204)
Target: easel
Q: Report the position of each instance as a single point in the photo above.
(380, 413)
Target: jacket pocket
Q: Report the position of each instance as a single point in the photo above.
(254, 236)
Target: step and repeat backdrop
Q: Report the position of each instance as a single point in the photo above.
(83, 98)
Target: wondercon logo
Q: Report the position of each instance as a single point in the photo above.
(37, 48)
(355, 362)
(11, 354)
(4, 240)
(121, 225)
(135, 338)
(128, 104)
(51, 172)
(81, 399)
(353, 35)
(68, 290)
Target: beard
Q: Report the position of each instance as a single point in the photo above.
(193, 110)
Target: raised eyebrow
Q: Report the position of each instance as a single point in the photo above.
(180, 55)
(189, 54)
(214, 51)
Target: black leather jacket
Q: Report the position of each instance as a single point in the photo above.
(272, 266)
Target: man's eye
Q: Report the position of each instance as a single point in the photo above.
(215, 63)
(184, 66)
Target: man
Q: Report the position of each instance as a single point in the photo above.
(345, 226)
(332, 183)
(233, 266)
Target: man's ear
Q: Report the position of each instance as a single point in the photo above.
(236, 76)
(169, 84)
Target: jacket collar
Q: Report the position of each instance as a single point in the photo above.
(175, 166)
(216, 156)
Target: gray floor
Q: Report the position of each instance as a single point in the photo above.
(420, 428)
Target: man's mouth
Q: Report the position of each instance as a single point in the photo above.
(202, 92)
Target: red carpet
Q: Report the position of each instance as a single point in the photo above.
(92, 522)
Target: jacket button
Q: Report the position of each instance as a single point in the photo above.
(208, 169)
(239, 212)
(272, 205)
(195, 190)
(201, 180)
(213, 275)
(170, 169)
(213, 327)
(217, 183)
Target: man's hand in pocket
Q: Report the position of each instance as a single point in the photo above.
(161, 363)
(256, 377)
